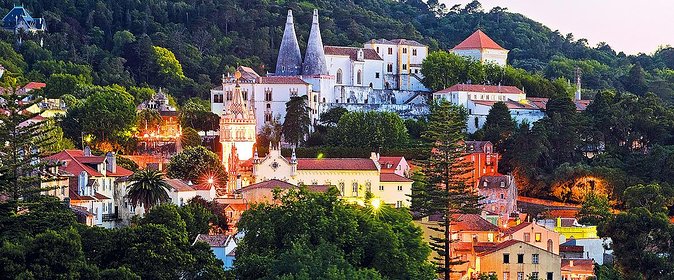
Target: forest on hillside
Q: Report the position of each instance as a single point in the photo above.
(115, 42)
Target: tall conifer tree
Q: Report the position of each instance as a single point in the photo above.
(445, 190)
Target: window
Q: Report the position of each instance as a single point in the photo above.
(244, 94)
(414, 51)
(377, 49)
(502, 196)
(520, 258)
(506, 258)
(534, 275)
(368, 187)
(359, 77)
(376, 75)
(550, 276)
(404, 50)
(520, 276)
(416, 71)
(181, 201)
(399, 204)
(267, 95)
(537, 237)
(355, 189)
(341, 188)
(267, 116)
(404, 66)
(490, 237)
(339, 76)
(229, 95)
(506, 275)
(527, 237)
(389, 68)
(550, 245)
(268, 106)
(400, 188)
(390, 50)
(381, 188)
(477, 123)
(534, 259)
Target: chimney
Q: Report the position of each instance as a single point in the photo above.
(570, 263)
(87, 151)
(110, 162)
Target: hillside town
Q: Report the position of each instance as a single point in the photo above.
(401, 138)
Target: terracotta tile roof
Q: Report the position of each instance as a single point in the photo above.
(100, 196)
(482, 88)
(34, 85)
(492, 182)
(393, 162)
(216, 240)
(462, 246)
(511, 230)
(202, 187)
(471, 222)
(542, 103)
(499, 246)
(247, 73)
(76, 162)
(579, 265)
(476, 146)
(478, 40)
(286, 80)
(239, 207)
(581, 105)
(397, 42)
(392, 177)
(352, 52)
(571, 248)
(563, 213)
(568, 222)
(178, 185)
(336, 164)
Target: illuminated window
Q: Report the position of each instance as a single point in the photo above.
(538, 237)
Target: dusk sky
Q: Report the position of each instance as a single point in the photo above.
(629, 26)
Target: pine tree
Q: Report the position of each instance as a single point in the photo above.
(23, 143)
(499, 125)
(297, 120)
(445, 192)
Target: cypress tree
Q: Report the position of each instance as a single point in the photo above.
(445, 191)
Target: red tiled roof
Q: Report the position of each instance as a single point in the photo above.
(393, 161)
(352, 52)
(216, 240)
(34, 85)
(202, 187)
(100, 196)
(502, 245)
(335, 164)
(511, 230)
(571, 248)
(579, 265)
(240, 207)
(178, 185)
(482, 88)
(478, 40)
(392, 177)
(288, 80)
(471, 222)
(76, 162)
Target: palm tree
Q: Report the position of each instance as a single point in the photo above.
(148, 188)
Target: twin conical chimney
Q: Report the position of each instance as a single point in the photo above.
(314, 60)
(289, 61)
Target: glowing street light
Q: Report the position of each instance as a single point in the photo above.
(376, 203)
(210, 180)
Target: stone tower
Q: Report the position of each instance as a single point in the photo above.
(289, 61)
(237, 128)
(314, 59)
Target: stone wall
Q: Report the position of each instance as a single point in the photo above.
(404, 110)
(367, 95)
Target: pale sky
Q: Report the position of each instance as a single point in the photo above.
(626, 25)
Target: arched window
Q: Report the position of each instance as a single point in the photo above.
(477, 123)
(339, 76)
(359, 77)
(550, 246)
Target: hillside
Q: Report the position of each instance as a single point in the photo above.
(115, 38)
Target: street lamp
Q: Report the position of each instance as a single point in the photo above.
(376, 203)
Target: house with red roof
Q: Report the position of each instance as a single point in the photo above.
(397, 165)
(97, 184)
(577, 269)
(533, 234)
(514, 259)
(354, 67)
(479, 47)
(499, 194)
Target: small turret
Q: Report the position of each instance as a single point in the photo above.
(289, 61)
(314, 59)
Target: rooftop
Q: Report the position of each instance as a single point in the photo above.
(397, 42)
(494, 181)
(392, 177)
(478, 40)
(471, 222)
(482, 89)
(352, 52)
(385, 162)
(336, 164)
(578, 265)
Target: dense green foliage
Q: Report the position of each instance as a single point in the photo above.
(371, 129)
(317, 236)
(148, 188)
(198, 165)
(47, 243)
(297, 122)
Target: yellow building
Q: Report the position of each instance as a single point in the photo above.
(515, 260)
(570, 228)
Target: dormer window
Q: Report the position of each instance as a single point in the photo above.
(360, 54)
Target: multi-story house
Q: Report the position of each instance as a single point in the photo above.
(517, 260)
(483, 160)
(98, 183)
(480, 47)
(19, 19)
(402, 60)
(499, 194)
(397, 165)
(535, 235)
(168, 130)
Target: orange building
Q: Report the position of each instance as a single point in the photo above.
(163, 136)
(483, 158)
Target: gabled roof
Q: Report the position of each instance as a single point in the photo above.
(478, 40)
(352, 52)
(476, 146)
(482, 89)
(76, 162)
(289, 80)
(270, 184)
(471, 222)
(34, 85)
(579, 265)
(571, 248)
(178, 185)
(393, 161)
(516, 228)
(336, 164)
(392, 177)
(493, 182)
(397, 42)
(215, 240)
(502, 245)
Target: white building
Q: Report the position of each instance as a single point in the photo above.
(480, 47)
(354, 67)
(402, 62)
(353, 177)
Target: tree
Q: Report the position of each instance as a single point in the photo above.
(345, 244)
(371, 129)
(190, 137)
(107, 112)
(297, 122)
(166, 66)
(635, 81)
(198, 165)
(499, 125)
(442, 70)
(331, 117)
(596, 209)
(148, 189)
(24, 144)
(148, 120)
(445, 190)
(60, 84)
